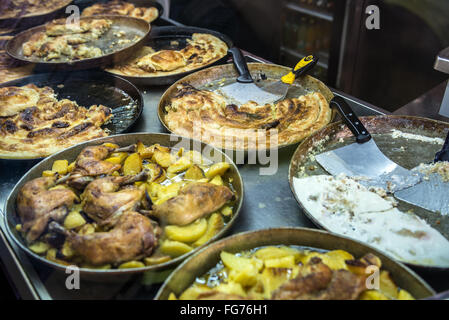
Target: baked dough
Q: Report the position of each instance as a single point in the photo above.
(205, 115)
(11, 69)
(122, 8)
(34, 123)
(201, 50)
(27, 8)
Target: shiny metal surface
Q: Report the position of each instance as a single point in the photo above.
(366, 160)
(204, 260)
(442, 61)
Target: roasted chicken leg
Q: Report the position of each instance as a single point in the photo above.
(104, 202)
(36, 205)
(193, 202)
(131, 238)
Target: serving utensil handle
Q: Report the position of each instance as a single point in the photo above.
(240, 64)
(302, 67)
(351, 120)
(443, 155)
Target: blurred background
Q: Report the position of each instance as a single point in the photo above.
(388, 67)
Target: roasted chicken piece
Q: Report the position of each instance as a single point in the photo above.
(104, 202)
(37, 205)
(194, 201)
(132, 237)
(318, 282)
(90, 162)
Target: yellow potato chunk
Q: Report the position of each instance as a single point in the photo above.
(87, 229)
(217, 169)
(285, 262)
(117, 157)
(167, 192)
(246, 276)
(172, 296)
(194, 173)
(131, 265)
(175, 248)
(217, 180)
(132, 165)
(74, 220)
(193, 292)
(111, 145)
(405, 295)
(189, 233)
(39, 247)
(232, 261)
(164, 159)
(182, 164)
(48, 173)
(67, 250)
(214, 225)
(387, 286)
(231, 288)
(372, 295)
(226, 211)
(335, 260)
(269, 253)
(151, 261)
(71, 166)
(272, 279)
(60, 166)
(194, 156)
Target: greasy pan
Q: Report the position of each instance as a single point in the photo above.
(31, 19)
(214, 77)
(174, 38)
(136, 3)
(204, 260)
(11, 218)
(408, 153)
(131, 26)
(93, 87)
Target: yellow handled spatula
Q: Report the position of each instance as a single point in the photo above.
(280, 88)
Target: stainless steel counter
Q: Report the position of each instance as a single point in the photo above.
(268, 203)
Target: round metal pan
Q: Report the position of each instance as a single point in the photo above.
(214, 77)
(136, 3)
(174, 38)
(407, 153)
(93, 87)
(32, 19)
(131, 26)
(206, 259)
(11, 218)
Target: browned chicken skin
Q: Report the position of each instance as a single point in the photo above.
(131, 238)
(318, 282)
(90, 163)
(36, 205)
(104, 202)
(193, 202)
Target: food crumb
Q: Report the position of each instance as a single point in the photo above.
(262, 205)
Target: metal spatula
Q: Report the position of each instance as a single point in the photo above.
(433, 192)
(245, 90)
(364, 159)
(281, 87)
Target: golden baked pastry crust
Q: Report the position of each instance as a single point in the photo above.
(122, 8)
(205, 115)
(10, 69)
(201, 50)
(34, 123)
(26, 8)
